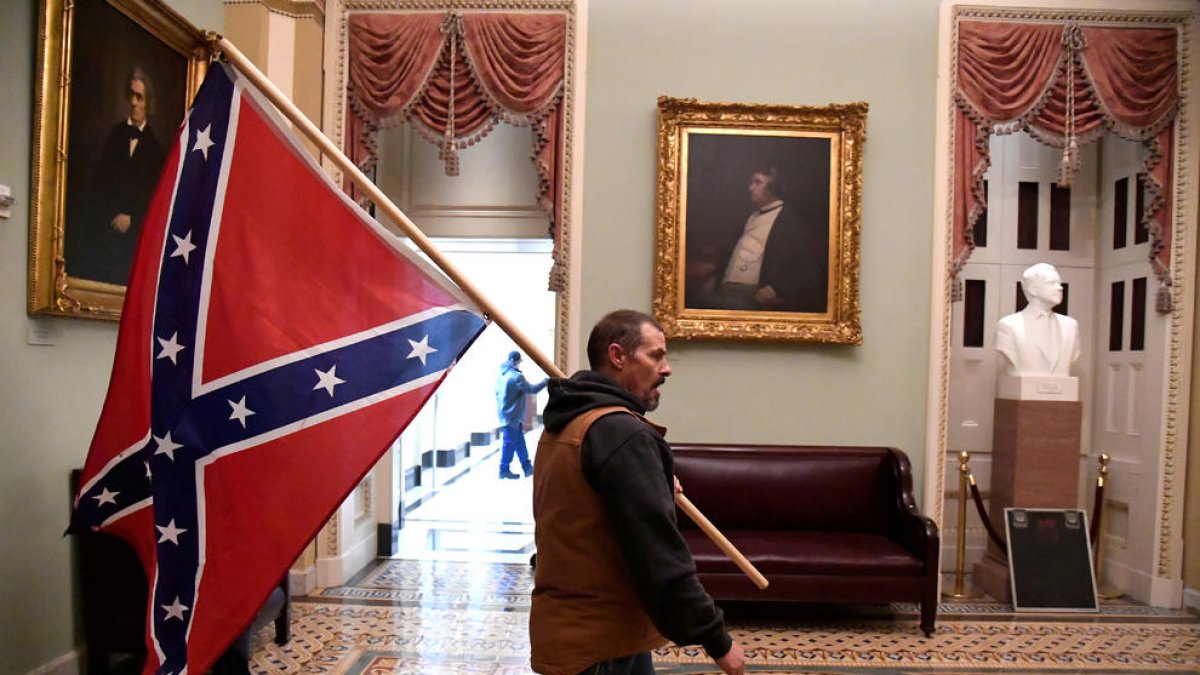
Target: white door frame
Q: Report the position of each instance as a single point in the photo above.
(1166, 589)
(341, 543)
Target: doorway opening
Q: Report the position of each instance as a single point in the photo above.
(451, 501)
(1136, 377)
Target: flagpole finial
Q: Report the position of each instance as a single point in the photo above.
(213, 38)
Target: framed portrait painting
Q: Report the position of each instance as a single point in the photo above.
(114, 80)
(759, 215)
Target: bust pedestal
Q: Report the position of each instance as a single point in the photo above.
(1035, 459)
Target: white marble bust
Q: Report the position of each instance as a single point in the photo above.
(1037, 340)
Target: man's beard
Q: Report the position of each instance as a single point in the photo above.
(652, 398)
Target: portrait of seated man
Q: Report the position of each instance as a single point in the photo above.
(779, 260)
(102, 236)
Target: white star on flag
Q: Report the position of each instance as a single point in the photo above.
(170, 532)
(240, 411)
(328, 380)
(421, 349)
(106, 497)
(203, 141)
(170, 348)
(183, 246)
(166, 446)
(175, 610)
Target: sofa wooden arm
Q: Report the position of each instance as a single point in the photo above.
(919, 532)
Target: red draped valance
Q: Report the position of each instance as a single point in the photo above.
(1066, 86)
(453, 76)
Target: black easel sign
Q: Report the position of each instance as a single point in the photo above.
(1050, 560)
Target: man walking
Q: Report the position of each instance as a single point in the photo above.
(613, 575)
(511, 390)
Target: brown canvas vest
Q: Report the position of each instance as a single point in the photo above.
(585, 609)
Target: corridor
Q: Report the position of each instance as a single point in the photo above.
(477, 516)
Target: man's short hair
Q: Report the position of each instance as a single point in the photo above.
(622, 326)
(136, 73)
(771, 172)
(1038, 272)
(1036, 276)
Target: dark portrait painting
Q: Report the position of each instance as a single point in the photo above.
(757, 223)
(759, 215)
(127, 97)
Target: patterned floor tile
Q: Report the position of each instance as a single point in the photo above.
(442, 618)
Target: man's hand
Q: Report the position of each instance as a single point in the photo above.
(766, 297)
(678, 487)
(121, 222)
(734, 661)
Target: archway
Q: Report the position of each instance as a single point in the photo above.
(1157, 466)
(454, 102)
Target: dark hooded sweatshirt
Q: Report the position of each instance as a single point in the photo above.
(631, 467)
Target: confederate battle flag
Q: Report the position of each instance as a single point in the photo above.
(275, 340)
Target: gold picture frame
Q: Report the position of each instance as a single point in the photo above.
(91, 53)
(795, 274)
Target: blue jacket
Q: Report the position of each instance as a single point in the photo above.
(511, 389)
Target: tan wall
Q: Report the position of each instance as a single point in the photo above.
(248, 30)
(805, 53)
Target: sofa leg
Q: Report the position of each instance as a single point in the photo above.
(928, 616)
(283, 622)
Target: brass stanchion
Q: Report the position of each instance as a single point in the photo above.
(1102, 592)
(960, 545)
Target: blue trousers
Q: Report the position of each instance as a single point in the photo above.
(513, 441)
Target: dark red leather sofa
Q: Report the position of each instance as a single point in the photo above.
(823, 524)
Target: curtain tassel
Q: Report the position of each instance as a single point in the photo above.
(956, 290)
(1073, 44)
(1162, 300)
(448, 152)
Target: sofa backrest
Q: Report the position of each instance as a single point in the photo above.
(809, 488)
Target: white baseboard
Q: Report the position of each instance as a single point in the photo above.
(70, 663)
(1140, 586)
(1166, 593)
(361, 555)
(338, 570)
(302, 582)
(1191, 599)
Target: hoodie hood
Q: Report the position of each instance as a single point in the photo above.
(584, 391)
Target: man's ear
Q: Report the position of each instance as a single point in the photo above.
(616, 355)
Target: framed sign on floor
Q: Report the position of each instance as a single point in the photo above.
(1050, 560)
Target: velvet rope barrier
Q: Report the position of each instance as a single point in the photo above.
(983, 516)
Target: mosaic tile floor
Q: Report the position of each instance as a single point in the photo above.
(450, 524)
(444, 617)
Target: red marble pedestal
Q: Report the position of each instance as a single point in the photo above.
(1035, 464)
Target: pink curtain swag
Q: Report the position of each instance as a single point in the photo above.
(1066, 86)
(453, 76)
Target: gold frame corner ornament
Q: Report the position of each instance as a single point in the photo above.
(844, 125)
(51, 289)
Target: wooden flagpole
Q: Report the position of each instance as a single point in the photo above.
(410, 229)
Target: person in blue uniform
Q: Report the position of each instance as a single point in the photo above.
(511, 389)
